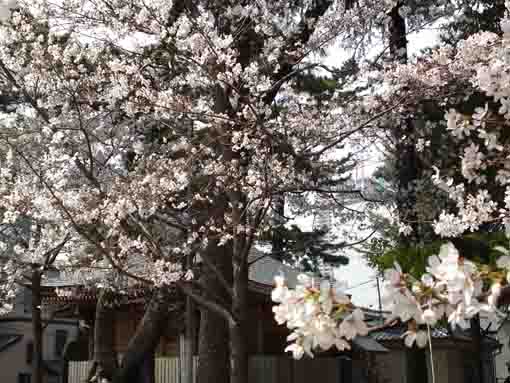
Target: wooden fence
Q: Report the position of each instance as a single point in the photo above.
(262, 369)
(77, 372)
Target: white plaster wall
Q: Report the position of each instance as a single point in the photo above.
(13, 358)
(504, 356)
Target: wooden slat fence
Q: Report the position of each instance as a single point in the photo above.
(78, 371)
(167, 370)
(262, 369)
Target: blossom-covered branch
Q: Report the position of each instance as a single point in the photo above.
(321, 315)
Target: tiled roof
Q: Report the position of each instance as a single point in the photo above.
(263, 269)
(79, 294)
(396, 333)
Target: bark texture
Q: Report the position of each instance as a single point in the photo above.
(238, 350)
(407, 161)
(213, 353)
(104, 359)
(138, 363)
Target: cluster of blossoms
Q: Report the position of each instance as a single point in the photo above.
(451, 288)
(321, 315)
(10, 275)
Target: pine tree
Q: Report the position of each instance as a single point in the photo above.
(309, 250)
(315, 250)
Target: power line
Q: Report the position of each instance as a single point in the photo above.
(361, 284)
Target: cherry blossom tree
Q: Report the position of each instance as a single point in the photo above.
(152, 133)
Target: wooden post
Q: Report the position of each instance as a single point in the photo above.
(381, 317)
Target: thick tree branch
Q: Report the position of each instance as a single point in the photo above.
(208, 262)
(47, 321)
(222, 311)
(52, 254)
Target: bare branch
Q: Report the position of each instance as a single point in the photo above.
(343, 136)
(52, 254)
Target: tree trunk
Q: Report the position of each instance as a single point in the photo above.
(398, 40)
(212, 348)
(143, 344)
(238, 349)
(37, 360)
(278, 221)
(187, 344)
(213, 356)
(407, 161)
(238, 354)
(408, 172)
(104, 357)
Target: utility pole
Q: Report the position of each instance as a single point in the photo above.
(379, 299)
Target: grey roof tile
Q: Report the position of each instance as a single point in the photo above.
(396, 333)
